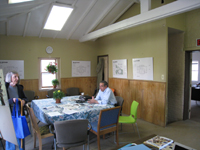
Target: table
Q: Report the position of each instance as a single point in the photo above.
(47, 111)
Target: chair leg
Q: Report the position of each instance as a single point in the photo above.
(34, 139)
(117, 138)
(40, 143)
(98, 141)
(83, 146)
(88, 144)
(133, 127)
(54, 140)
(137, 130)
(2, 144)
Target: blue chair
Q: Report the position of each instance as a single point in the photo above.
(108, 122)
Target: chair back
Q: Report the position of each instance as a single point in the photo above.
(120, 102)
(113, 90)
(71, 131)
(109, 117)
(50, 92)
(30, 95)
(72, 91)
(33, 119)
(134, 107)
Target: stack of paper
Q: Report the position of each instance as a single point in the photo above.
(158, 141)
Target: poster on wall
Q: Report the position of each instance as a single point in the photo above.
(3, 93)
(12, 65)
(143, 68)
(81, 68)
(120, 68)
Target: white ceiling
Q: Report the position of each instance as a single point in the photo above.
(90, 19)
(27, 19)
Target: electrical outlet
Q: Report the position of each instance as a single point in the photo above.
(162, 77)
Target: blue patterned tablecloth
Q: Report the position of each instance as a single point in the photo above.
(47, 111)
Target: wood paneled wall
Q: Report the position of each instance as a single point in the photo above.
(149, 94)
(85, 84)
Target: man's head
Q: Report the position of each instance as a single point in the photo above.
(103, 85)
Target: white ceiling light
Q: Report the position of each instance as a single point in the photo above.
(17, 1)
(57, 17)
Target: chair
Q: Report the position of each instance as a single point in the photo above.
(120, 102)
(113, 90)
(71, 133)
(41, 132)
(30, 96)
(50, 93)
(108, 122)
(133, 116)
(72, 91)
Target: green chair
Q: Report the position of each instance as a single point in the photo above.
(133, 116)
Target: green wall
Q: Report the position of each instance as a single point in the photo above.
(30, 49)
(148, 40)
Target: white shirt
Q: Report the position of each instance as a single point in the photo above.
(106, 97)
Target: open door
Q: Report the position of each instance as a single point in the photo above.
(106, 66)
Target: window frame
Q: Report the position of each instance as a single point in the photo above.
(57, 60)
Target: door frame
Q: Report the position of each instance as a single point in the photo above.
(187, 86)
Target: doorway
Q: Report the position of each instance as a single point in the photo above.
(194, 65)
(106, 66)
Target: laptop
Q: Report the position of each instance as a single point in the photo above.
(179, 146)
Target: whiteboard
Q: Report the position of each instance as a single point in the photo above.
(143, 68)
(12, 65)
(120, 68)
(81, 68)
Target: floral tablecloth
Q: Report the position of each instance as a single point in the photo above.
(47, 111)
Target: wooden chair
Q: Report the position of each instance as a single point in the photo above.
(108, 122)
(41, 132)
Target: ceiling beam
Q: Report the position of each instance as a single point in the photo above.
(81, 19)
(122, 12)
(102, 16)
(167, 10)
(145, 5)
(26, 24)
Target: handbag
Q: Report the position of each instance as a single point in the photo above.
(19, 122)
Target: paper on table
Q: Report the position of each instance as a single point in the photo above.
(68, 111)
(54, 114)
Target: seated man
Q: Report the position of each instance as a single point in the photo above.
(105, 95)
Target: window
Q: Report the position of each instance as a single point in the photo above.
(195, 70)
(45, 76)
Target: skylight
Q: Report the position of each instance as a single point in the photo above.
(57, 17)
(17, 1)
